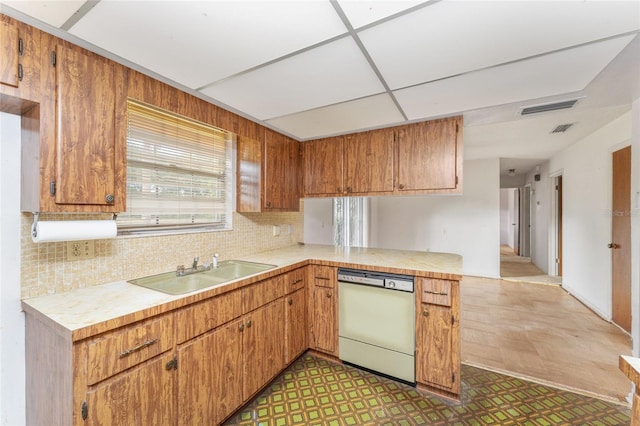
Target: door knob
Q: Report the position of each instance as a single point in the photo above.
(613, 245)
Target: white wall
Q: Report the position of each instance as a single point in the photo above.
(468, 225)
(318, 221)
(12, 380)
(586, 224)
(540, 213)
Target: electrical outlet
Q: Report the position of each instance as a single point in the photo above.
(276, 230)
(80, 250)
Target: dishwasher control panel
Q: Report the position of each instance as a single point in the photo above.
(376, 279)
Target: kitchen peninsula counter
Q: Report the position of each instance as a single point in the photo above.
(89, 311)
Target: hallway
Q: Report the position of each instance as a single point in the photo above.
(542, 333)
(521, 269)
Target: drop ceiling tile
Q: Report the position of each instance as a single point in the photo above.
(364, 12)
(366, 113)
(52, 12)
(199, 42)
(548, 75)
(326, 75)
(450, 38)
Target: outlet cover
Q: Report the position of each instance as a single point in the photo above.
(80, 250)
(276, 230)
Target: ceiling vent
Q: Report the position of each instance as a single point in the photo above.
(535, 109)
(561, 128)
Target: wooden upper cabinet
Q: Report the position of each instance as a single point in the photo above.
(323, 167)
(85, 128)
(9, 52)
(427, 155)
(281, 173)
(268, 173)
(369, 162)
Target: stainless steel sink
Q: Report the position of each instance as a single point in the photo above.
(226, 271)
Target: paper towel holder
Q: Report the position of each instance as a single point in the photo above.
(36, 216)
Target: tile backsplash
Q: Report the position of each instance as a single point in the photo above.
(46, 270)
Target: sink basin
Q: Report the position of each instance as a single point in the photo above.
(226, 271)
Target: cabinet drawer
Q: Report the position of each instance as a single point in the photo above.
(261, 293)
(324, 276)
(436, 292)
(122, 349)
(207, 315)
(294, 280)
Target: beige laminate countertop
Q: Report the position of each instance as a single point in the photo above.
(92, 310)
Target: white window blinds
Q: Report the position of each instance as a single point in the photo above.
(179, 172)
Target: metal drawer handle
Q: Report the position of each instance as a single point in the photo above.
(299, 280)
(439, 293)
(137, 348)
(323, 278)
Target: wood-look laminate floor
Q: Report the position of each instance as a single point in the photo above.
(543, 333)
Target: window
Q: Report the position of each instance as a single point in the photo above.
(351, 221)
(179, 173)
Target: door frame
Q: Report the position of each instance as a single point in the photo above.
(555, 226)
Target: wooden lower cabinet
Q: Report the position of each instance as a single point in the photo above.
(210, 376)
(142, 396)
(200, 363)
(324, 309)
(262, 346)
(438, 336)
(295, 319)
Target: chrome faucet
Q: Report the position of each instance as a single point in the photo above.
(214, 263)
(195, 263)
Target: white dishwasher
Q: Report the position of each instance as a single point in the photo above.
(376, 322)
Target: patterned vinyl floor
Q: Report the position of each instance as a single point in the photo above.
(314, 391)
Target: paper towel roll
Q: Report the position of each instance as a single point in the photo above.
(73, 230)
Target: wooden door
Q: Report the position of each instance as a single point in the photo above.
(281, 173)
(262, 346)
(142, 396)
(295, 318)
(621, 239)
(324, 317)
(426, 156)
(249, 175)
(368, 162)
(210, 376)
(322, 161)
(559, 227)
(85, 124)
(8, 52)
(434, 329)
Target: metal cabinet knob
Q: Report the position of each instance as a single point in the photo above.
(109, 198)
(248, 323)
(328, 295)
(290, 302)
(401, 186)
(425, 313)
(241, 327)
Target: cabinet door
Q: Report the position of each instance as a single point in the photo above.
(426, 155)
(209, 376)
(142, 396)
(323, 167)
(369, 161)
(434, 331)
(324, 318)
(85, 126)
(281, 173)
(295, 318)
(8, 53)
(263, 346)
(249, 174)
